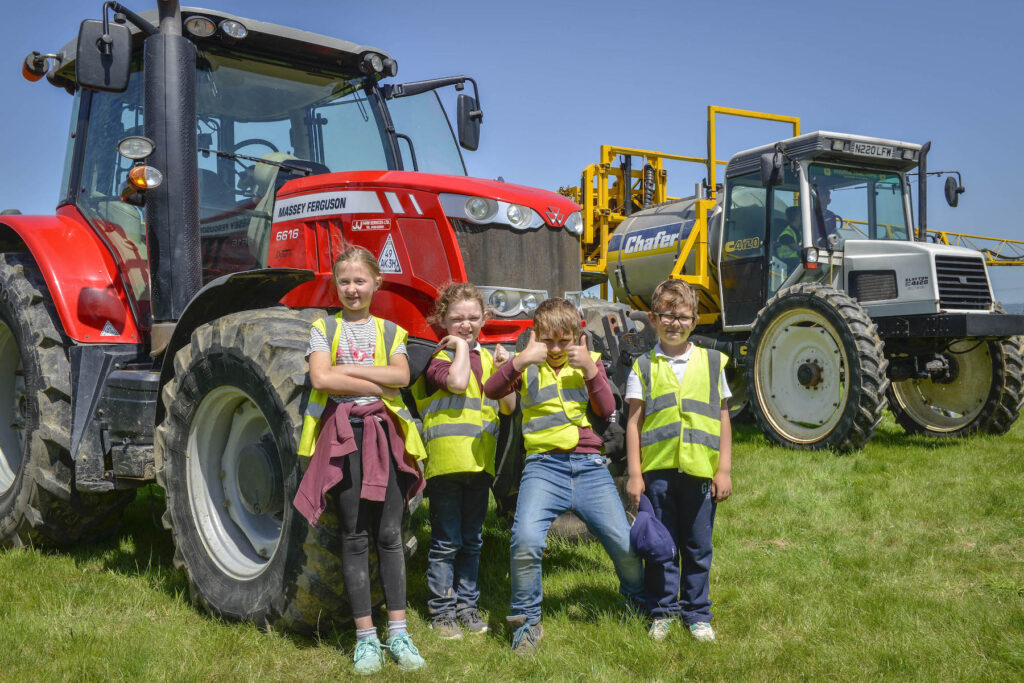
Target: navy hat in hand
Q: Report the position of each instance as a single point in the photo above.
(649, 537)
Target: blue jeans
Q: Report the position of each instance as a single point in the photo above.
(683, 504)
(553, 483)
(458, 504)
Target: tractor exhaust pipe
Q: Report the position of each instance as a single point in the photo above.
(172, 209)
(922, 193)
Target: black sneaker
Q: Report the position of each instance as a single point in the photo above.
(446, 628)
(470, 620)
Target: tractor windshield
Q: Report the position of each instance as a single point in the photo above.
(307, 121)
(857, 204)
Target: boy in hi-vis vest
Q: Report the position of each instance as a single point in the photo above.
(557, 376)
(679, 450)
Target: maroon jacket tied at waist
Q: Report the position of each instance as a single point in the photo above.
(337, 439)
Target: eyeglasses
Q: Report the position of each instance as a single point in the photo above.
(668, 318)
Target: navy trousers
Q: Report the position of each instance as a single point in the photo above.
(684, 505)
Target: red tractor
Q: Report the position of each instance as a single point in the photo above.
(155, 328)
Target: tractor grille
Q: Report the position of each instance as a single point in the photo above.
(496, 255)
(873, 285)
(962, 282)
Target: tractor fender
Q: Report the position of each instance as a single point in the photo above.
(244, 291)
(80, 272)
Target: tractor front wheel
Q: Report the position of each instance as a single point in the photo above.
(227, 461)
(817, 379)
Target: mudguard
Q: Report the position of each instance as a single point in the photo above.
(81, 274)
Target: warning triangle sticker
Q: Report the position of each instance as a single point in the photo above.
(108, 330)
(388, 259)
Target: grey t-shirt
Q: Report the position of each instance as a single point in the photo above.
(355, 347)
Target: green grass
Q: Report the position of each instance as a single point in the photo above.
(904, 560)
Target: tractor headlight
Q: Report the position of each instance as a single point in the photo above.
(574, 223)
(507, 302)
(483, 210)
(519, 216)
(575, 298)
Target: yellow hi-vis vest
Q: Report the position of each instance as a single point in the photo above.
(682, 420)
(787, 244)
(389, 336)
(460, 430)
(554, 407)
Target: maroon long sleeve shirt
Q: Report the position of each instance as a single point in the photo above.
(507, 379)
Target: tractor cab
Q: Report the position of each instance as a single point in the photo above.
(272, 104)
(790, 209)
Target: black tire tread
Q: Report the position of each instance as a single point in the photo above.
(49, 511)
(868, 397)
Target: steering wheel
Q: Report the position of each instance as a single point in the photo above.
(245, 168)
(253, 141)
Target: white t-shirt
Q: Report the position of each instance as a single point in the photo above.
(355, 347)
(634, 389)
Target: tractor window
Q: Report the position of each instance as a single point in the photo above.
(111, 117)
(857, 204)
(423, 119)
(743, 241)
(256, 112)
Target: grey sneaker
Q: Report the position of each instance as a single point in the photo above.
(702, 631)
(404, 652)
(470, 620)
(525, 637)
(368, 657)
(446, 628)
(660, 629)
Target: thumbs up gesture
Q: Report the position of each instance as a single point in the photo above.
(579, 357)
(534, 353)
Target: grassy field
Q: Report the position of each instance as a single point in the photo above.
(902, 561)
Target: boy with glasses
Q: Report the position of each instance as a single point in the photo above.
(679, 450)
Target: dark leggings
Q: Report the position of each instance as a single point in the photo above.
(357, 517)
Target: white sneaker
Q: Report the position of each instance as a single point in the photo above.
(703, 632)
(660, 629)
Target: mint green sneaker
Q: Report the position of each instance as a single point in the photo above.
(369, 656)
(702, 631)
(404, 652)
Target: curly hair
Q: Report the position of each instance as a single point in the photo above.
(672, 293)
(452, 294)
(358, 255)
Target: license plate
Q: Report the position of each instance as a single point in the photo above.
(870, 150)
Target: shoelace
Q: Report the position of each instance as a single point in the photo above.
(402, 644)
(524, 632)
(363, 646)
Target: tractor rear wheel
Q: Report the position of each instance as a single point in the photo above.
(982, 393)
(817, 379)
(39, 504)
(227, 461)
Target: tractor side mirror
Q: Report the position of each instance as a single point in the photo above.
(953, 191)
(772, 172)
(103, 58)
(470, 118)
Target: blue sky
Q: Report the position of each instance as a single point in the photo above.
(558, 79)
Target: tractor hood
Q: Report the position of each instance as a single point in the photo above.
(553, 207)
(912, 278)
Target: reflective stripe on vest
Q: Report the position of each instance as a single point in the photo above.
(554, 407)
(682, 420)
(389, 336)
(460, 430)
(788, 251)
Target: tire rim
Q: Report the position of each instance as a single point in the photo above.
(227, 426)
(801, 373)
(13, 403)
(950, 406)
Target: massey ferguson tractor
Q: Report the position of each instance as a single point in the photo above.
(155, 328)
(813, 278)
